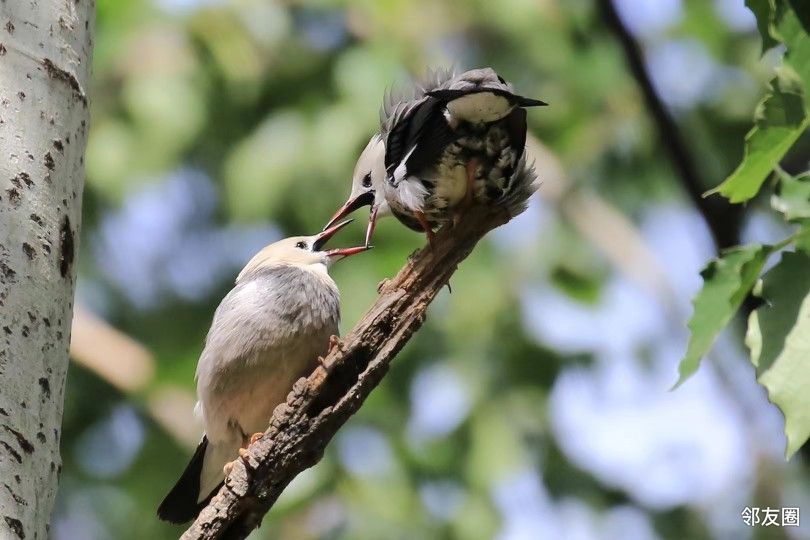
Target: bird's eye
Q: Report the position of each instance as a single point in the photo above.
(367, 180)
(301, 245)
(501, 79)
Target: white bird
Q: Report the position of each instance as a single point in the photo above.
(448, 142)
(268, 331)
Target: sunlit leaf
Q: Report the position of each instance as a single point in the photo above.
(781, 116)
(803, 14)
(779, 120)
(793, 198)
(726, 282)
(779, 338)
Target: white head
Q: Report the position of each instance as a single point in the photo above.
(303, 251)
(368, 180)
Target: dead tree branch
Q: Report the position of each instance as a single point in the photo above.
(321, 403)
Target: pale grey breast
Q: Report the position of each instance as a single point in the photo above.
(267, 332)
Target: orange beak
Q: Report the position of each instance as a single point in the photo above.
(364, 199)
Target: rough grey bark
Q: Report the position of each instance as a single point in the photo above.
(45, 49)
(321, 403)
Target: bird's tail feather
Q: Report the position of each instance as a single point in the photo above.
(216, 455)
(181, 504)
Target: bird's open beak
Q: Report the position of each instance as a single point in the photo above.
(372, 222)
(346, 252)
(337, 253)
(328, 233)
(364, 199)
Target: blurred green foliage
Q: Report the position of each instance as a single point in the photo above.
(271, 102)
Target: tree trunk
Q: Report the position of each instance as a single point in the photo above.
(45, 49)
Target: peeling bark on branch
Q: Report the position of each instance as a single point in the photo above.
(44, 62)
(321, 403)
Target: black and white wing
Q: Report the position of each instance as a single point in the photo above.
(413, 126)
(417, 139)
(397, 102)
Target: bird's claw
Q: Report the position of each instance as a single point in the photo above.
(228, 467)
(334, 342)
(255, 437)
(243, 452)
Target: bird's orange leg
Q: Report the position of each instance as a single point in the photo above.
(246, 441)
(467, 201)
(334, 342)
(255, 437)
(422, 219)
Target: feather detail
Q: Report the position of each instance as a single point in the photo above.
(410, 194)
(183, 503)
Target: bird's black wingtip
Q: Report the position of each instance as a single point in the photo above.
(531, 102)
(445, 94)
(180, 505)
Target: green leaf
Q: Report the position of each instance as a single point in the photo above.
(779, 120)
(791, 31)
(802, 238)
(781, 116)
(802, 13)
(793, 196)
(779, 339)
(726, 282)
(763, 11)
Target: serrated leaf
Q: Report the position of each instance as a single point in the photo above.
(726, 282)
(779, 120)
(763, 11)
(779, 339)
(781, 116)
(793, 197)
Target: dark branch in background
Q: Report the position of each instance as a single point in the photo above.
(320, 404)
(722, 218)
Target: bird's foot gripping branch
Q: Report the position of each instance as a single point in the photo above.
(319, 404)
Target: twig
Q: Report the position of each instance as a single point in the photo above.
(722, 218)
(319, 404)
